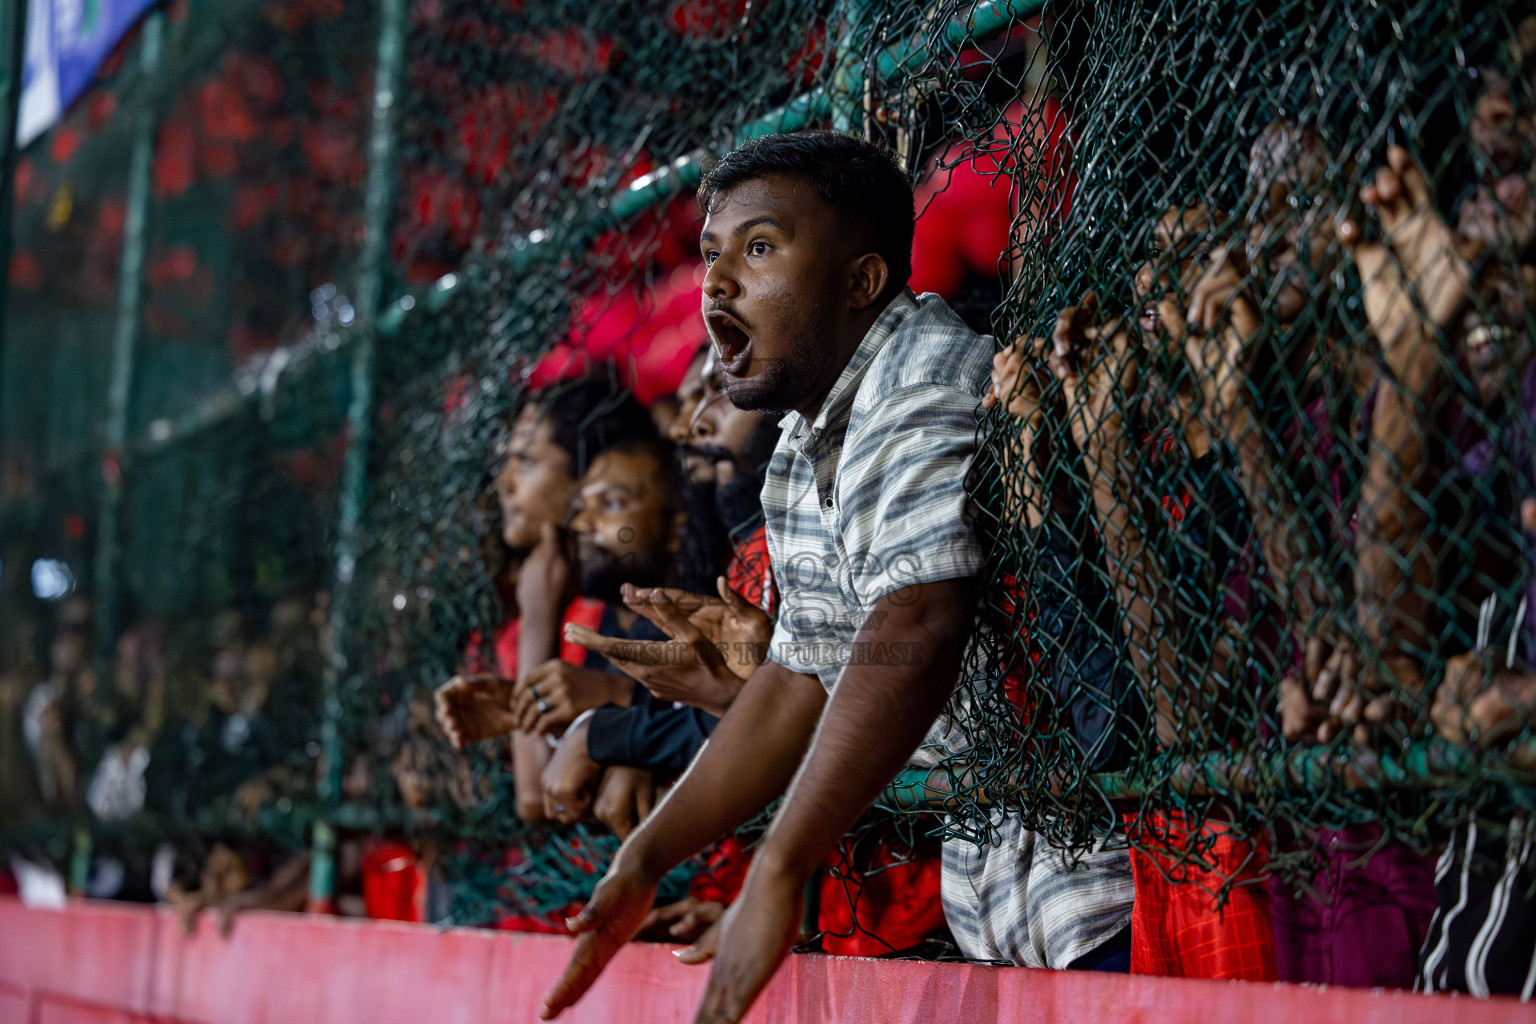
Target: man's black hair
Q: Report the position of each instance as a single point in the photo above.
(855, 177)
(590, 415)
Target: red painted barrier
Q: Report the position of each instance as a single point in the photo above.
(103, 963)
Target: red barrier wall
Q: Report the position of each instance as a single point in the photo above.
(103, 963)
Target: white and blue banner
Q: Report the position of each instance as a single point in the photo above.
(66, 41)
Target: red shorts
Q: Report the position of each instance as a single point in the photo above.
(1177, 929)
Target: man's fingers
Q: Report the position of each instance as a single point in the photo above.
(586, 964)
(590, 639)
(669, 913)
(703, 950)
(674, 621)
(1379, 710)
(1313, 656)
(732, 599)
(1410, 179)
(1386, 187)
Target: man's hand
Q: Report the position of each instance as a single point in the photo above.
(545, 580)
(624, 799)
(1017, 379)
(1471, 710)
(474, 708)
(729, 622)
(1222, 323)
(692, 671)
(1427, 265)
(1097, 370)
(755, 935)
(747, 762)
(688, 920)
(618, 908)
(570, 779)
(554, 693)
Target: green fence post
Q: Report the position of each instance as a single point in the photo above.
(13, 54)
(125, 342)
(377, 211)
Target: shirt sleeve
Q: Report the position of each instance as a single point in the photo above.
(901, 492)
(648, 734)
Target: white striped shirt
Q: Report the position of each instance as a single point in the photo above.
(870, 497)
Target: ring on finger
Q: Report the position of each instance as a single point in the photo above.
(533, 691)
(543, 706)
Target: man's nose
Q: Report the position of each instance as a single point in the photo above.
(677, 430)
(720, 280)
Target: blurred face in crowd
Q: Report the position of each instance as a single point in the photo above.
(1498, 130)
(623, 520)
(1293, 237)
(1180, 240)
(724, 437)
(690, 394)
(225, 873)
(534, 485)
(67, 652)
(1494, 346)
(775, 291)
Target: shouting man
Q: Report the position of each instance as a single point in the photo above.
(807, 243)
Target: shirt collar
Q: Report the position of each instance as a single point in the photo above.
(840, 398)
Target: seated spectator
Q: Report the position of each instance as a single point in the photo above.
(554, 440)
(48, 715)
(714, 643)
(628, 523)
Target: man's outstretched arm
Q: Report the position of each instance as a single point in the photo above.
(877, 716)
(746, 763)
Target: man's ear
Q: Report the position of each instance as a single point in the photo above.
(867, 278)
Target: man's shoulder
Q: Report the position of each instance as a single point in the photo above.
(933, 348)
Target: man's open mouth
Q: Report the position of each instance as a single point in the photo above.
(731, 339)
(1150, 319)
(1485, 345)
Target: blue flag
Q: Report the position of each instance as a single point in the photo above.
(66, 42)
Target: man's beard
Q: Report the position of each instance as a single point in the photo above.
(603, 574)
(739, 503)
(787, 383)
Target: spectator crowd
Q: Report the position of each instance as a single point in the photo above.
(760, 595)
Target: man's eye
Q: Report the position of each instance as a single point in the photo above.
(710, 257)
(759, 248)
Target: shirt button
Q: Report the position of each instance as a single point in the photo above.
(828, 504)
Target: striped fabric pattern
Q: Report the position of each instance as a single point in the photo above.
(1482, 939)
(870, 497)
(1019, 901)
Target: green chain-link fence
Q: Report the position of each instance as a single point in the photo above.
(257, 378)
